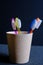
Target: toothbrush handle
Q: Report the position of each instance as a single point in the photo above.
(31, 31)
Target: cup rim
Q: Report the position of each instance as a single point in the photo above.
(13, 32)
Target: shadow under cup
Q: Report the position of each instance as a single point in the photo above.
(19, 46)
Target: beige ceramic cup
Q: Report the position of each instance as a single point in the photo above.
(19, 46)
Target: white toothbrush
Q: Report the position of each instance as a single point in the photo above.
(35, 24)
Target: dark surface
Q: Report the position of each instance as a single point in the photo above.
(36, 56)
(26, 10)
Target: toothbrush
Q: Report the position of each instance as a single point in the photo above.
(13, 24)
(16, 24)
(35, 24)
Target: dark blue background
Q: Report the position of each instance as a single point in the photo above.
(26, 10)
